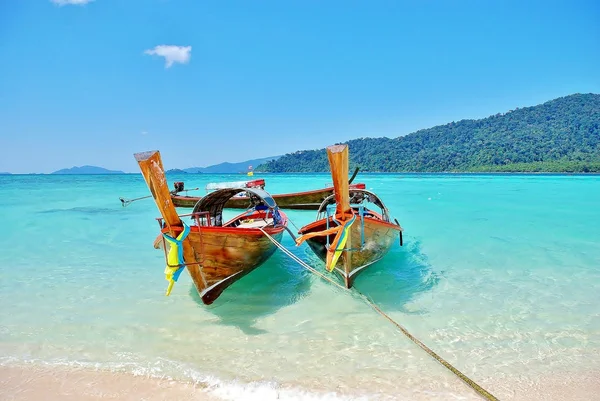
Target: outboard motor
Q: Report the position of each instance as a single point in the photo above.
(179, 186)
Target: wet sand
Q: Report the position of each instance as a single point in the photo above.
(64, 384)
(34, 383)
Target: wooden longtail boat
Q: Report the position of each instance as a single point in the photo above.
(308, 200)
(216, 253)
(359, 235)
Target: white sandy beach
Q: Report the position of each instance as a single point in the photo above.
(53, 384)
(33, 383)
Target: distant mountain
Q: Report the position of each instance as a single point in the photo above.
(229, 168)
(87, 170)
(176, 171)
(4, 173)
(561, 135)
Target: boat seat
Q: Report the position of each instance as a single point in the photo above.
(256, 223)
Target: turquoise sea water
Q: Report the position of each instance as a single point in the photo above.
(498, 274)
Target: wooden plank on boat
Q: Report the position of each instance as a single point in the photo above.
(338, 162)
(154, 174)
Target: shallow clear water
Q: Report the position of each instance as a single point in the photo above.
(498, 274)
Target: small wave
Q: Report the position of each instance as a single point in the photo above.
(233, 390)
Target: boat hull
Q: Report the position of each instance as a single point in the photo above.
(379, 237)
(308, 200)
(226, 254)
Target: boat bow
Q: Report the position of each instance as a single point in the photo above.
(344, 216)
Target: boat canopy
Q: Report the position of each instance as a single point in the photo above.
(214, 202)
(357, 197)
(260, 183)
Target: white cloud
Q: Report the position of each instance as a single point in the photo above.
(172, 54)
(73, 2)
(144, 132)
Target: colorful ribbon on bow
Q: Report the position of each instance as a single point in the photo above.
(175, 260)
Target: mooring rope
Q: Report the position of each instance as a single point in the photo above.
(480, 390)
(300, 261)
(295, 226)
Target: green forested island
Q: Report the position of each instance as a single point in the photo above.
(562, 135)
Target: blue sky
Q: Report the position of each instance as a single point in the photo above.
(86, 83)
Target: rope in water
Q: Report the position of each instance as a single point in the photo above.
(480, 390)
(295, 226)
(300, 261)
